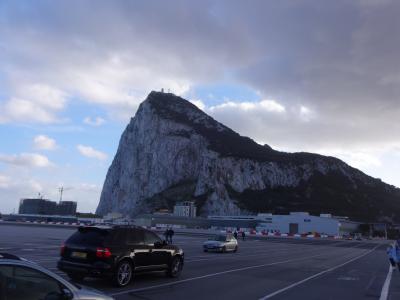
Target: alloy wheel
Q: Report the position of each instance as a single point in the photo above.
(124, 274)
(176, 266)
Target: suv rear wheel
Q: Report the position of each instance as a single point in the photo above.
(123, 274)
(175, 268)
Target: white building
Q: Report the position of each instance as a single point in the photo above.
(298, 223)
(185, 209)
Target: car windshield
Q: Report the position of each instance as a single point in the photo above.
(220, 238)
(89, 237)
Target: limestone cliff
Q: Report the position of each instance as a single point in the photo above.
(172, 151)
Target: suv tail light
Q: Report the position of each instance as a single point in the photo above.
(103, 252)
(62, 249)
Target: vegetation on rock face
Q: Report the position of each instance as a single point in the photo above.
(330, 193)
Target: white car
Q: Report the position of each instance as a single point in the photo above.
(22, 279)
(221, 243)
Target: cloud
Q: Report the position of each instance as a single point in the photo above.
(26, 160)
(43, 142)
(357, 159)
(336, 84)
(33, 103)
(278, 48)
(269, 106)
(200, 104)
(306, 114)
(5, 181)
(94, 122)
(91, 152)
(29, 185)
(292, 51)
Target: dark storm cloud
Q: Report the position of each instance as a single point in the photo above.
(339, 59)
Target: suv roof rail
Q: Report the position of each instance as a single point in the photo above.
(9, 256)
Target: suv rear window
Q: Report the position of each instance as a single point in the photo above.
(89, 237)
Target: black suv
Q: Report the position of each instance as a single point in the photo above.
(118, 252)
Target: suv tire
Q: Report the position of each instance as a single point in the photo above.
(175, 267)
(123, 273)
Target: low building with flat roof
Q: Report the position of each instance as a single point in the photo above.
(39, 206)
(293, 223)
(66, 208)
(185, 209)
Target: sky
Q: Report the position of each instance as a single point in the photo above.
(316, 76)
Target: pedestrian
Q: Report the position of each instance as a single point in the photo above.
(397, 253)
(235, 234)
(171, 234)
(391, 252)
(243, 235)
(166, 234)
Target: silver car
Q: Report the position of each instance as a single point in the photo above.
(221, 243)
(23, 279)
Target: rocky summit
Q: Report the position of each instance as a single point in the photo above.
(172, 151)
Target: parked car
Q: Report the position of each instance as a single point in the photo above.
(221, 243)
(118, 251)
(347, 237)
(23, 279)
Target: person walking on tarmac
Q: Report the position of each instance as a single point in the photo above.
(397, 253)
(171, 234)
(235, 234)
(166, 234)
(391, 252)
(243, 235)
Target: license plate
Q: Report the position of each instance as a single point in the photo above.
(79, 254)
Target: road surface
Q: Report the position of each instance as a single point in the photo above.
(261, 269)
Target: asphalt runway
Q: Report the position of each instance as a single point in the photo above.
(261, 269)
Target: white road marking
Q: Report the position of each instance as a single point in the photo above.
(212, 275)
(316, 275)
(386, 285)
(235, 256)
(348, 278)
